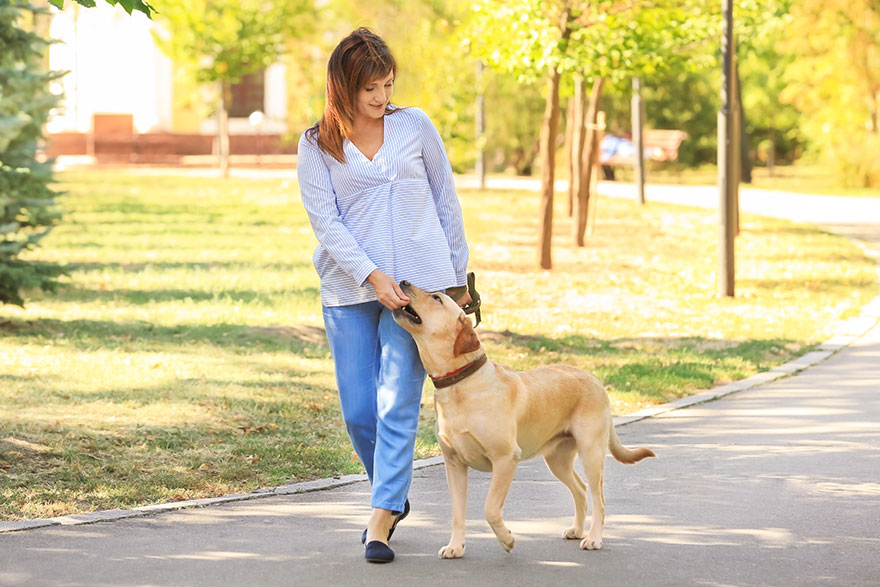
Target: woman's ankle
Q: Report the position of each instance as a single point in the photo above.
(379, 525)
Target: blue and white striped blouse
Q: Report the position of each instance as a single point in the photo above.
(398, 213)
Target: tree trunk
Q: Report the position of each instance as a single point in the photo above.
(638, 138)
(549, 128)
(223, 129)
(745, 160)
(480, 123)
(569, 150)
(594, 177)
(577, 143)
(736, 141)
(590, 157)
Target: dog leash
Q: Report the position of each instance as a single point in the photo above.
(474, 306)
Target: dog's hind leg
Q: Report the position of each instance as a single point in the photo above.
(503, 470)
(593, 459)
(560, 461)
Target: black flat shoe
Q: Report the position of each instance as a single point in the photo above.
(402, 515)
(378, 552)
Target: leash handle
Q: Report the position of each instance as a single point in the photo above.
(476, 302)
(458, 291)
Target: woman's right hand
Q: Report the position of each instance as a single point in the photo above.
(387, 290)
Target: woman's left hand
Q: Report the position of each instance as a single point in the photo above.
(464, 300)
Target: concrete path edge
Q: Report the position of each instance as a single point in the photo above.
(845, 333)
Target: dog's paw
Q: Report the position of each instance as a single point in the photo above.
(451, 551)
(507, 542)
(590, 543)
(573, 533)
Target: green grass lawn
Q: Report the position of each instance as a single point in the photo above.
(186, 358)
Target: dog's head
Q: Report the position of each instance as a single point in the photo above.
(442, 331)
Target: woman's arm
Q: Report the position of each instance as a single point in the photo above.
(319, 200)
(445, 198)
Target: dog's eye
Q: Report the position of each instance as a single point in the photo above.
(436, 297)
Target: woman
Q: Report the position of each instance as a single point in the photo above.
(377, 186)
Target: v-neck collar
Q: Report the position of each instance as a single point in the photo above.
(379, 150)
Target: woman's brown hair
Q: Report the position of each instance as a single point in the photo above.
(360, 58)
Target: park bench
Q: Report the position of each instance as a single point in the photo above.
(660, 145)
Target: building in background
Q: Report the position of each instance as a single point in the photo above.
(125, 101)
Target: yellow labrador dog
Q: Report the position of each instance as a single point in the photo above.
(490, 417)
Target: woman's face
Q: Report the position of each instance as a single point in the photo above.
(373, 97)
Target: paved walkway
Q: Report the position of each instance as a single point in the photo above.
(775, 485)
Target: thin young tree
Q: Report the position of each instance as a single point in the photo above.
(221, 41)
(610, 40)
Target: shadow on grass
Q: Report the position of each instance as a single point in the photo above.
(863, 232)
(582, 345)
(168, 265)
(850, 230)
(79, 466)
(142, 296)
(661, 368)
(309, 341)
(776, 230)
(823, 284)
(186, 437)
(239, 396)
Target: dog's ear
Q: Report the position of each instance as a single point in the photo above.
(467, 340)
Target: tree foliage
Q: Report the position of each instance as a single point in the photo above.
(223, 40)
(27, 202)
(513, 122)
(608, 38)
(220, 41)
(435, 72)
(587, 41)
(834, 78)
(772, 125)
(129, 5)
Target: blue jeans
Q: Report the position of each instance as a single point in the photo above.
(380, 377)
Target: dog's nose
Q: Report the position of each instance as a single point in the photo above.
(404, 283)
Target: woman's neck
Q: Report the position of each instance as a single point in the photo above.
(365, 126)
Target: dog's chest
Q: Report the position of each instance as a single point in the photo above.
(459, 434)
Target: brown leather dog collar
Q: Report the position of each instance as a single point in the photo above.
(459, 374)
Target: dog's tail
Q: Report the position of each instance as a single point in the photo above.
(625, 455)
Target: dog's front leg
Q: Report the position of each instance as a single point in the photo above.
(502, 476)
(457, 479)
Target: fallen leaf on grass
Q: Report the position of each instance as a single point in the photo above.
(257, 429)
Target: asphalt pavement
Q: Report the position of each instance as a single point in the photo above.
(776, 483)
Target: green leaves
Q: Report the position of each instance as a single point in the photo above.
(833, 77)
(27, 205)
(223, 40)
(603, 38)
(129, 5)
(10, 128)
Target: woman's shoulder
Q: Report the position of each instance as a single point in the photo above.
(411, 114)
(309, 137)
